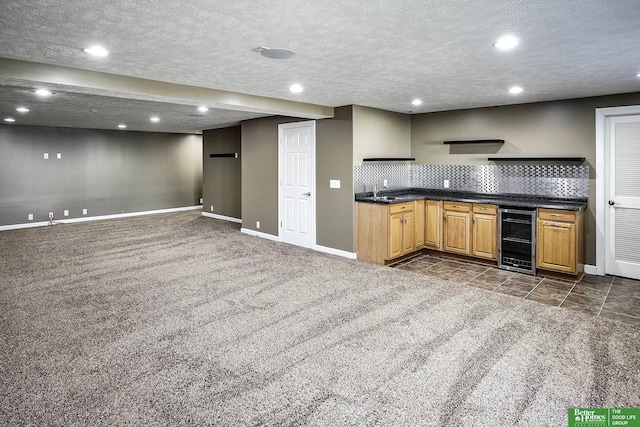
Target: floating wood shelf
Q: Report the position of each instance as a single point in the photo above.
(389, 159)
(538, 159)
(234, 155)
(475, 141)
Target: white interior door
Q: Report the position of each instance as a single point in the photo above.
(623, 196)
(297, 183)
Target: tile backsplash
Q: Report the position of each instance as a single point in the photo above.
(562, 181)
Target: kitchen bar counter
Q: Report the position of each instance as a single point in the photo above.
(502, 200)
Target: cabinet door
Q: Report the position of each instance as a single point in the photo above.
(395, 235)
(556, 246)
(433, 224)
(457, 232)
(484, 236)
(408, 235)
(419, 223)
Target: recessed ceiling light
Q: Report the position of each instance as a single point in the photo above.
(296, 88)
(416, 102)
(155, 119)
(98, 51)
(203, 109)
(514, 90)
(122, 126)
(22, 109)
(277, 53)
(43, 92)
(9, 119)
(506, 43)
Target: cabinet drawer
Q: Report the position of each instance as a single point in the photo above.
(485, 209)
(557, 215)
(401, 207)
(457, 206)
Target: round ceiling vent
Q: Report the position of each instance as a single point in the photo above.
(276, 53)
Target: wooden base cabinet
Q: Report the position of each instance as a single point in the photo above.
(419, 214)
(433, 224)
(456, 228)
(401, 230)
(484, 225)
(559, 241)
(384, 232)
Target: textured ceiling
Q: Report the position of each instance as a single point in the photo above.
(374, 53)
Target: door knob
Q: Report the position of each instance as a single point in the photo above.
(612, 202)
(306, 194)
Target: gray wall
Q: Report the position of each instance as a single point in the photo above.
(105, 172)
(335, 207)
(222, 176)
(559, 128)
(260, 173)
(380, 133)
(334, 148)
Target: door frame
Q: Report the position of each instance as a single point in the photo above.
(292, 125)
(601, 176)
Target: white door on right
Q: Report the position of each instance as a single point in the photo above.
(623, 196)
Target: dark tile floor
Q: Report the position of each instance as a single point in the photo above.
(615, 298)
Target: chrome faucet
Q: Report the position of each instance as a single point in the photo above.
(375, 190)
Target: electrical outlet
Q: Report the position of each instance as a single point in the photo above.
(59, 155)
(211, 208)
(51, 215)
(46, 156)
(84, 211)
(385, 182)
(446, 183)
(257, 224)
(66, 213)
(201, 200)
(30, 216)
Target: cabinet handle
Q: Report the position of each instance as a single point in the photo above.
(445, 217)
(484, 209)
(556, 214)
(556, 225)
(455, 206)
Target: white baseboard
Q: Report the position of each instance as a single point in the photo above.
(332, 251)
(590, 269)
(222, 217)
(259, 234)
(96, 218)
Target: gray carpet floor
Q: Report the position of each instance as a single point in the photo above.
(177, 319)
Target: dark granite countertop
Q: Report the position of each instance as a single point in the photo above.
(502, 200)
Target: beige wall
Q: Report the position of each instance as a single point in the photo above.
(379, 133)
(221, 176)
(559, 128)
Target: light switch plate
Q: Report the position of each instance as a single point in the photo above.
(66, 213)
(59, 155)
(84, 211)
(334, 183)
(446, 183)
(46, 156)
